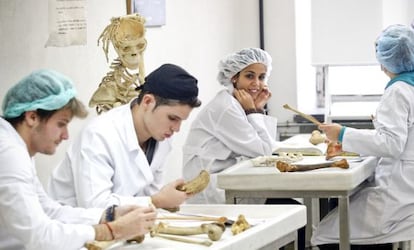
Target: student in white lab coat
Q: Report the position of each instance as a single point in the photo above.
(382, 212)
(36, 114)
(119, 157)
(233, 125)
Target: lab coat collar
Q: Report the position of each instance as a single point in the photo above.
(7, 130)
(127, 132)
(126, 127)
(407, 77)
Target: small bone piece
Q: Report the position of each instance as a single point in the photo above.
(240, 225)
(307, 117)
(137, 239)
(221, 220)
(197, 184)
(100, 245)
(286, 167)
(172, 209)
(316, 137)
(181, 239)
(213, 230)
(335, 149)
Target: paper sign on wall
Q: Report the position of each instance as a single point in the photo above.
(152, 10)
(67, 23)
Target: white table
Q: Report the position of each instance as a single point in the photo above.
(243, 180)
(276, 226)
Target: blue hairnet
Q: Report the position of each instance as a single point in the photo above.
(236, 62)
(395, 48)
(42, 89)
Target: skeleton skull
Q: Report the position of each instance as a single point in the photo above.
(129, 41)
(127, 34)
(130, 52)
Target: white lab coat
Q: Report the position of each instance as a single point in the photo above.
(383, 212)
(220, 136)
(106, 166)
(29, 219)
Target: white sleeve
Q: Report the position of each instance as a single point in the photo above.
(389, 137)
(94, 169)
(23, 215)
(245, 135)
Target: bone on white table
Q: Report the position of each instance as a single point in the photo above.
(243, 180)
(275, 226)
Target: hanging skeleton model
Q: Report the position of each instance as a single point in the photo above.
(127, 35)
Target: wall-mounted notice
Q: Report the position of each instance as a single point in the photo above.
(67, 23)
(152, 10)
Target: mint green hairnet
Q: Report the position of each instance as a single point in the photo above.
(42, 89)
(395, 48)
(236, 62)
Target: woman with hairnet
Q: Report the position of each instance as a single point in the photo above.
(36, 114)
(382, 212)
(232, 126)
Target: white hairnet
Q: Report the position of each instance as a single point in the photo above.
(42, 89)
(236, 62)
(395, 48)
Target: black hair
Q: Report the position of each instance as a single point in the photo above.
(193, 103)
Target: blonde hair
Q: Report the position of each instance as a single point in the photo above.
(77, 108)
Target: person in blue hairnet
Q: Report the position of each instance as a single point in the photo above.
(382, 212)
(36, 114)
(120, 157)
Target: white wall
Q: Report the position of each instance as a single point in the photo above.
(343, 33)
(24, 32)
(197, 44)
(195, 40)
(279, 29)
(351, 26)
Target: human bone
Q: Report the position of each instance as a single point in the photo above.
(240, 225)
(197, 184)
(214, 231)
(100, 245)
(119, 86)
(181, 239)
(316, 137)
(286, 167)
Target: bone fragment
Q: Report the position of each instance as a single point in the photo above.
(137, 239)
(335, 149)
(307, 117)
(286, 167)
(100, 245)
(182, 239)
(240, 225)
(197, 184)
(213, 230)
(316, 137)
(221, 220)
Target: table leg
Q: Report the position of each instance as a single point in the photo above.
(230, 198)
(344, 239)
(308, 229)
(312, 218)
(315, 213)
